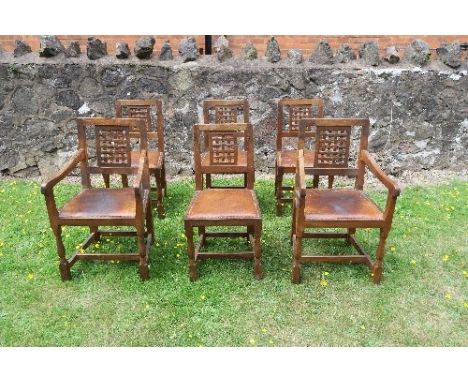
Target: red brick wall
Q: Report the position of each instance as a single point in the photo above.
(286, 42)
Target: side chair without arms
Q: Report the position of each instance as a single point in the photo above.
(290, 112)
(347, 208)
(95, 207)
(151, 111)
(224, 111)
(223, 206)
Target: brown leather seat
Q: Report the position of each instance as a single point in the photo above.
(223, 204)
(339, 204)
(288, 159)
(241, 159)
(101, 204)
(154, 159)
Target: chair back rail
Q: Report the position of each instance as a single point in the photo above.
(222, 111)
(112, 143)
(332, 145)
(144, 108)
(221, 144)
(295, 110)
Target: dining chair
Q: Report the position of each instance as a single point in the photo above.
(220, 207)
(152, 112)
(104, 148)
(344, 208)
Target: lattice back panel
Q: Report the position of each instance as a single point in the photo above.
(140, 112)
(113, 146)
(295, 113)
(332, 147)
(223, 148)
(226, 114)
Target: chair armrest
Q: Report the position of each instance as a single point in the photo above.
(372, 165)
(47, 187)
(140, 174)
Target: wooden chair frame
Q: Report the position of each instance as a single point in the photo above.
(143, 216)
(226, 111)
(141, 108)
(202, 132)
(254, 225)
(297, 110)
(300, 223)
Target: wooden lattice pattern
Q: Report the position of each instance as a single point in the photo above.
(140, 112)
(226, 114)
(296, 113)
(332, 147)
(223, 148)
(113, 146)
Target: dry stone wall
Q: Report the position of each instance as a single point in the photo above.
(419, 116)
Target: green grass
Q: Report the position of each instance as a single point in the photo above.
(422, 300)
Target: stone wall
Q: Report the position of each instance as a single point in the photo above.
(419, 116)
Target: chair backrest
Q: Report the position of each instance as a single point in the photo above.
(148, 109)
(222, 147)
(225, 111)
(290, 112)
(107, 145)
(333, 137)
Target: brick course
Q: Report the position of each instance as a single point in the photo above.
(305, 43)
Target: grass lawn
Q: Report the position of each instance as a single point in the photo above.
(422, 301)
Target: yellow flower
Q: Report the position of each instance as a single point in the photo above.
(465, 304)
(270, 342)
(448, 296)
(413, 262)
(252, 341)
(264, 330)
(392, 248)
(30, 276)
(445, 258)
(465, 273)
(363, 327)
(323, 282)
(326, 273)
(147, 306)
(203, 297)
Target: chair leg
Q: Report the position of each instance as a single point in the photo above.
(293, 225)
(159, 190)
(378, 264)
(94, 230)
(64, 266)
(208, 180)
(193, 275)
(143, 264)
(124, 180)
(149, 222)
(315, 182)
(279, 193)
(257, 251)
(163, 178)
(331, 179)
(351, 232)
(106, 178)
(276, 179)
(297, 252)
(201, 233)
